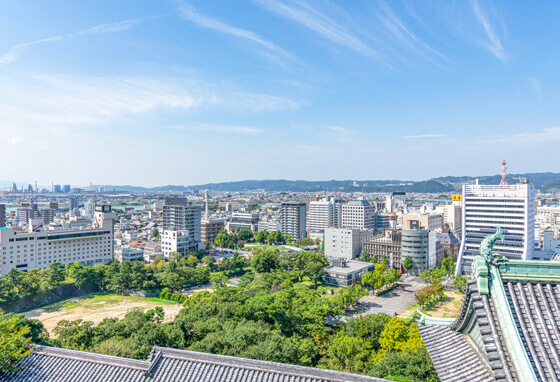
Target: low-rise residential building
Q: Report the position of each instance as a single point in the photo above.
(210, 229)
(127, 253)
(344, 273)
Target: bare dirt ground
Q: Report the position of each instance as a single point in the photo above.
(449, 307)
(97, 307)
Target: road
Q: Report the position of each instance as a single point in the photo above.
(394, 301)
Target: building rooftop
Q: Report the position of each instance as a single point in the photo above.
(508, 327)
(164, 364)
(350, 267)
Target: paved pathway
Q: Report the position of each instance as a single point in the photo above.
(394, 301)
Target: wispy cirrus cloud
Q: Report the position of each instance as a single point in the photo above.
(16, 50)
(62, 101)
(314, 19)
(339, 130)
(493, 41)
(424, 136)
(225, 129)
(272, 50)
(14, 141)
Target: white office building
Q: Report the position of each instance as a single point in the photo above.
(485, 207)
(358, 214)
(36, 248)
(128, 253)
(324, 214)
(345, 243)
(178, 241)
(451, 214)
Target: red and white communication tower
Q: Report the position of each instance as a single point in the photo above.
(504, 179)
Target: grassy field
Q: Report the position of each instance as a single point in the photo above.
(97, 306)
(448, 308)
(253, 246)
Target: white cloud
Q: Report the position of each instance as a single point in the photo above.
(340, 130)
(16, 50)
(14, 141)
(312, 18)
(63, 101)
(535, 86)
(424, 136)
(493, 42)
(226, 129)
(272, 50)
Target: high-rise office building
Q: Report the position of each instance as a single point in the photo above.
(324, 214)
(293, 219)
(485, 207)
(73, 203)
(358, 214)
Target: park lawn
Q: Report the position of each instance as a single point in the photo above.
(253, 246)
(97, 306)
(448, 308)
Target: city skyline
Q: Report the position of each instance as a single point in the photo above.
(194, 92)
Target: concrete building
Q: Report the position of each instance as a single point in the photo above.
(270, 225)
(38, 249)
(432, 222)
(323, 214)
(57, 189)
(388, 245)
(485, 207)
(73, 203)
(549, 243)
(47, 215)
(449, 243)
(130, 254)
(53, 205)
(178, 241)
(243, 220)
(179, 215)
(2, 215)
(293, 220)
(452, 216)
(344, 273)
(385, 221)
(420, 245)
(345, 243)
(66, 188)
(358, 214)
(210, 229)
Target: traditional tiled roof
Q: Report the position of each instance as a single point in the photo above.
(164, 364)
(508, 328)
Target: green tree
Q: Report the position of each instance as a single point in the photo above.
(366, 257)
(385, 262)
(460, 282)
(192, 261)
(448, 264)
(155, 233)
(264, 259)
(261, 236)
(14, 341)
(57, 273)
(407, 263)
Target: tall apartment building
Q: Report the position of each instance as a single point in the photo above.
(345, 243)
(2, 215)
(389, 245)
(485, 207)
(47, 215)
(323, 214)
(452, 216)
(180, 215)
(38, 249)
(293, 219)
(420, 245)
(432, 222)
(358, 214)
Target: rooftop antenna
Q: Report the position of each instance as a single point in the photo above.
(504, 179)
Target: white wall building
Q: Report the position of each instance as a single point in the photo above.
(27, 250)
(178, 241)
(127, 253)
(324, 214)
(358, 214)
(485, 207)
(345, 243)
(292, 218)
(452, 215)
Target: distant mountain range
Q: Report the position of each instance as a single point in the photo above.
(545, 181)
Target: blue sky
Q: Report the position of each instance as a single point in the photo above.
(189, 92)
